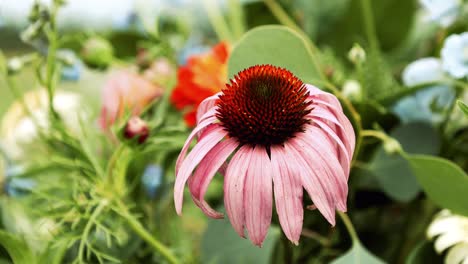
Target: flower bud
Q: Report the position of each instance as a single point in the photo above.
(352, 89)
(392, 146)
(357, 55)
(136, 127)
(14, 65)
(97, 52)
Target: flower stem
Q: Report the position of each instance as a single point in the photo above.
(217, 21)
(236, 17)
(146, 236)
(374, 133)
(281, 14)
(368, 20)
(349, 226)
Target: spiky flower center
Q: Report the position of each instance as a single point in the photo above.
(264, 105)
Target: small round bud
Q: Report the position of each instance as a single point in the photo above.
(357, 55)
(136, 127)
(352, 89)
(97, 52)
(14, 65)
(392, 146)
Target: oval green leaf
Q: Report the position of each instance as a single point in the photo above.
(443, 181)
(393, 172)
(358, 254)
(221, 244)
(275, 45)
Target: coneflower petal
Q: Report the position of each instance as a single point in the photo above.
(198, 152)
(311, 180)
(350, 139)
(258, 196)
(205, 172)
(191, 137)
(317, 141)
(344, 157)
(288, 195)
(234, 187)
(207, 105)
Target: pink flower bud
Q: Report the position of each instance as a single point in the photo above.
(136, 127)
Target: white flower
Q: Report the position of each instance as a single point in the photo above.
(18, 128)
(455, 55)
(444, 12)
(425, 70)
(452, 235)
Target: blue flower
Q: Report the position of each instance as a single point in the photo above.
(425, 70)
(444, 12)
(455, 55)
(429, 104)
(152, 179)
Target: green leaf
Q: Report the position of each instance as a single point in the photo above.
(463, 107)
(443, 181)
(276, 45)
(221, 244)
(17, 248)
(424, 253)
(392, 171)
(358, 254)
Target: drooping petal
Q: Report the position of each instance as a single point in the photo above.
(205, 172)
(348, 131)
(288, 194)
(315, 145)
(343, 154)
(234, 187)
(193, 158)
(310, 179)
(258, 196)
(206, 105)
(199, 128)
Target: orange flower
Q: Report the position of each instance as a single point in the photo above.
(203, 76)
(126, 91)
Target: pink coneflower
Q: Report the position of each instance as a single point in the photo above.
(269, 133)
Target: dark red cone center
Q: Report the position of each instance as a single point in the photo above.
(264, 105)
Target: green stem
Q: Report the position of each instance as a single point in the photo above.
(112, 160)
(217, 21)
(374, 133)
(368, 20)
(281, 15)
(51, 67)
(349, 226)
(146, 236)
(89, 225)
(236, 17)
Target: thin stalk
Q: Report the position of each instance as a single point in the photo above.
(89, 225)
(51, 67)
(146, 236)
(236, 17)
(281, 15)
(349, 226)
(374, 133)
(217, 21)
(368, 20)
